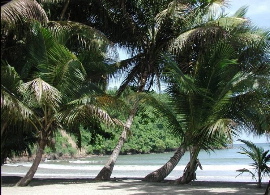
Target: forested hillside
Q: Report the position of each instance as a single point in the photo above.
(149, 133)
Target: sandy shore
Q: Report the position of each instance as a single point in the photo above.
(124, 186)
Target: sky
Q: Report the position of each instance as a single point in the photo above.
(258, 11)
(259, 14)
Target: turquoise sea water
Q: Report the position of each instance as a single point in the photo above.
(220, 165)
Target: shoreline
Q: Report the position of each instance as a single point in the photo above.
(125, 186)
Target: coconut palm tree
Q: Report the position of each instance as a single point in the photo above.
(50, 89)
(11, 105)
(142, 27)
(200, 56)
(145, 29)
(57, 74)
(260, 157)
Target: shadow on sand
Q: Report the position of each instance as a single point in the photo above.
(139, 187)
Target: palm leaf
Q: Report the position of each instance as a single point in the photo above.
(19, 11)
(39, 93)
(13, 108)
(56, 64)
(70, 33)
(83, 113)
(244, 170)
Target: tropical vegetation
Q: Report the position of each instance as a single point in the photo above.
(260, 158)
(57, 58)
(50, 90)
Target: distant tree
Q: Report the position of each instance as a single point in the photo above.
(260, 158)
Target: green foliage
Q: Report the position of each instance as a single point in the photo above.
(150, 133)
(61, 147)
(260, 159)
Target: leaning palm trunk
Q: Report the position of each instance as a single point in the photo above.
(30, 174)
(267, 190)
(161, 173)
(106, 171)
(190, 170)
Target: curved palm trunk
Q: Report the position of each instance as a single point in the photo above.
(161, 173)
(30, 174)
(190, 170)
(106, 171)
(267, 190)
(3, 127)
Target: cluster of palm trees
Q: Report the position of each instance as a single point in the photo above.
(58, 55)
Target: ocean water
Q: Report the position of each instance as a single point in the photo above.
(220, 165)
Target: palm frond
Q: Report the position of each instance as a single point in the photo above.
(38, 92)
(244, 170)
(13, 109)
(176, 77)
(52, 1)
(82, 114)
(241, 12)
(12, 106)
(56, 64)
(19, 11)
(72, 33)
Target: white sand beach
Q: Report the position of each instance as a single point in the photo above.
(127, 187)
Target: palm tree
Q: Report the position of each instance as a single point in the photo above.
(45, 99)
(57, 76)
(145, 29)
(197, 100)
(200, 60)
(14, 28)
(260, 158)
(11, 105)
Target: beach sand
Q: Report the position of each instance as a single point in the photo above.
(124, 186)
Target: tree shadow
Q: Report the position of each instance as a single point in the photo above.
(139, 187)
(9, 181)
(197, 187)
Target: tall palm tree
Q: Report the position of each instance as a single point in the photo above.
(195, 60)
(145, 29)
(223, 85)
(57, 74)
(15, 20)
(260, 160)
(54, 84)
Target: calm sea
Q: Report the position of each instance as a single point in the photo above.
(220, 165)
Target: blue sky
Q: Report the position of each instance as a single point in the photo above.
(259, 14)
(258, 11)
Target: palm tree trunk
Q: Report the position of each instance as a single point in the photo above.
(259, 178)
(30, 174)
(161, 173)
(190, 170)
(267, 190)
(3, 127)
(64, 10)
(106, 171)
